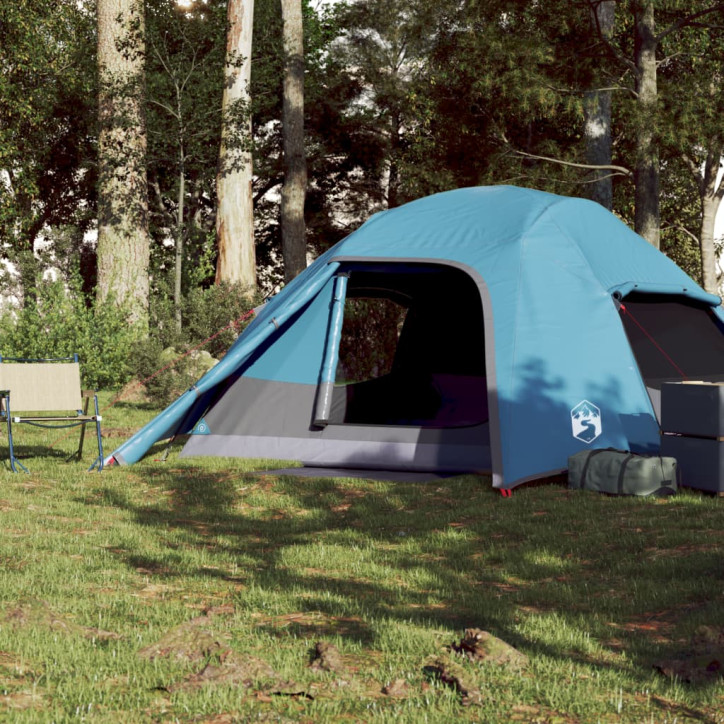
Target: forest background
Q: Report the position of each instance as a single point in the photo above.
(121, 145)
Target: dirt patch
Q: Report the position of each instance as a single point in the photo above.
(191, 641)
(217, 719)
(35, 613)
(234, 669)
(479, 647)
(12, 663)
(677, 711)
(702, 661)
(12, 563)
(234, 718)
(20, 700)
(502, 588)
(153, 590)
(397, 689)
(539, 715)
(452, 674)
(687, 549)
(124, 432)
(229, 668)
(484, 648)
(222, 609)
(349, 496)
(658, 626)
(15, 672)
(17, 683)
(326, 657)
(310, 624)
(133, 391)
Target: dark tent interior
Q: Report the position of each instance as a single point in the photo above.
(674, 339)
(413, 348)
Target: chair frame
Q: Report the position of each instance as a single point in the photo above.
(39, 368)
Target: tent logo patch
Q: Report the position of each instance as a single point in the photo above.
(201, 428)
(586, 421)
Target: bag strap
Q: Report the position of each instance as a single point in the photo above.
(588, 460)
(622, 471)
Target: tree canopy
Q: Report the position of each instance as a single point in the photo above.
(400, 100)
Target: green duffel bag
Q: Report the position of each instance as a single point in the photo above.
(617, 472)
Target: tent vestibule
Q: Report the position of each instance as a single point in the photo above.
(376, 372)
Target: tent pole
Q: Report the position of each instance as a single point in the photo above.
(323, 403)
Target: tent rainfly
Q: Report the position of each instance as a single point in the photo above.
(490, 329)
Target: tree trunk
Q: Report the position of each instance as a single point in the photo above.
(393, 180)
(711, 197)
(646, 176)
(180, 232)
(235, 211)
(294, 248)
(123, 240)
(28, 268)
(597, 113)
(180, 209)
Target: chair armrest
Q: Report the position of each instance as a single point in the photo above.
(86, 393)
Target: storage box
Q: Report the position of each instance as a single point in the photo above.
(693, 408)
(701, 461)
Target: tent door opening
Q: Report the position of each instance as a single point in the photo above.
(388, 356)
(405, 347)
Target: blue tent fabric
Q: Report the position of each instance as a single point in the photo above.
(548, 267)
(266, 324)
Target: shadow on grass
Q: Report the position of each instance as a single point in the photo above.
(568, 575)
(123, 405)
(27, 454)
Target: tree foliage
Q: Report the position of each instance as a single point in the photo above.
(401, 100)
(47, 169)
(184, 86)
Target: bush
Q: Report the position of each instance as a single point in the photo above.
(58, 323)
(163, 363)
(208, 311)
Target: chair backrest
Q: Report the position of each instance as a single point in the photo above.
(41, 386)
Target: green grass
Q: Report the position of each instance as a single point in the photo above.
(95, 568)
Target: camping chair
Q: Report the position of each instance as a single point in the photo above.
(50, 388)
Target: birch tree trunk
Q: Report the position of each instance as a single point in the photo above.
(294, 248)
(123, 239)
(711, 194)
(393, 180)
(235, 212)
(647, 218)
(597, 112)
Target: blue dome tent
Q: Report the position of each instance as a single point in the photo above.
(506, 330)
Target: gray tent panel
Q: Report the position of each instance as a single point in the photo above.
(267, 419)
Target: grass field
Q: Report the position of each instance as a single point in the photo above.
(196, 591)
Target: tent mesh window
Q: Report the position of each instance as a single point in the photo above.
(412, 350)
(673, 339)
(371, 333)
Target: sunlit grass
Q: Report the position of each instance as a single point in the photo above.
(93, 568)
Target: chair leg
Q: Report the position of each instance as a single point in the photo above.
(99, 460)
(77, 455)
(82, 431)
(11, 448)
